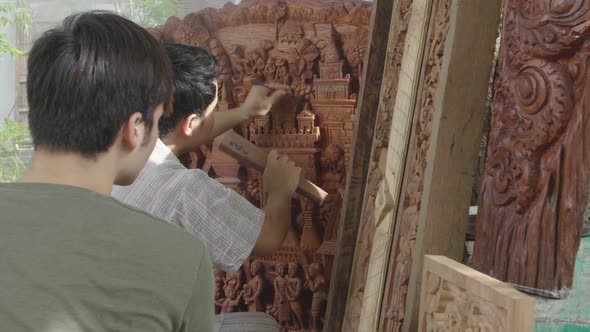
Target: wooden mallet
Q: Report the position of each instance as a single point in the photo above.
(250, 155)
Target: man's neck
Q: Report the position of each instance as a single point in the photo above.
(174, 145)
(71, 169)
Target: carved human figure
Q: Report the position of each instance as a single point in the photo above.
(333, 173)
(330, 216)
(283, 72)
(234, 280)
(236, 57)
(270, 70)
(252, 128)
(256, 285)
(316, 283)
(308, 53)
(219, 295)
(254, 64)
(253, 190)
(248, 63)
(355, 47)
(278, 13)
(294, 287)
(302, 89)
(259, 66)
(232, 300)
(271, 310)
(247, 292)
(281, 299)
(332, 163)
(224, 77)
(310, 238)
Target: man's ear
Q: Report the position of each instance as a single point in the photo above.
(190, 123)
(133, 131)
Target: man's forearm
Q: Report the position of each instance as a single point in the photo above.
(276, 225)
(224, 121)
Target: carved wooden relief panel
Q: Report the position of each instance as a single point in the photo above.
(400, 265)
(535, 183)
(451, 308)
(318, 49)
(457, 298)
(378, 203)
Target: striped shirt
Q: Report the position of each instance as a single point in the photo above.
(227, 223)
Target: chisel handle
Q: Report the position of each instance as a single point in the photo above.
(250, 155)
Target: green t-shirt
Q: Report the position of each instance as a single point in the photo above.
(74, 260)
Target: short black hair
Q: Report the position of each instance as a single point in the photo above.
(88, 76)
(195, 71)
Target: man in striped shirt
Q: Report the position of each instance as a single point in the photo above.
(230, 226)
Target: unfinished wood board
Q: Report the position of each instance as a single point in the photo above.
(534, 188)
(456, 129)
(458, 298)
(359, 163)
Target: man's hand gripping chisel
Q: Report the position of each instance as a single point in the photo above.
(250, 155)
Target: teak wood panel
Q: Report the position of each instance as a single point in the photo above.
(317, 48)
(457, 298)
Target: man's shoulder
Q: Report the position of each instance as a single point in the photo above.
(165, 172)
(172, 176)
(164, 182)
(150, 228)
(102, 217)
(161, 243)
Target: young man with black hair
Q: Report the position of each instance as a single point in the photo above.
(71, 257)
(230, 226)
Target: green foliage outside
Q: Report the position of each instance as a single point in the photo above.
(12, 135)
(13, 13)
(148, 13)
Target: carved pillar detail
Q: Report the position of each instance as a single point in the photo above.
(534, 189)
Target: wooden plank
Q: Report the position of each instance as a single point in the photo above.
(456, 129)
(458, 298)
(359, 163)
(382, 193)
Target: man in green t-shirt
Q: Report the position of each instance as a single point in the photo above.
(71, 257)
